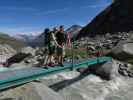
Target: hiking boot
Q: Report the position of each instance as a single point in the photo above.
(51, 64)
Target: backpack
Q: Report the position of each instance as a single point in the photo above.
(48, 38)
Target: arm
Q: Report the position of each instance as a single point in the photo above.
(56, 41)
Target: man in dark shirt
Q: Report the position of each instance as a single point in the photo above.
(61, 39)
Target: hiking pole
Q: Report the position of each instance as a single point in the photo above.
(72, 50)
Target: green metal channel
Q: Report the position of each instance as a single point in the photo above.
(18, 80)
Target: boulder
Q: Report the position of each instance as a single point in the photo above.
(108, 70)
(124, 51)
(17, 58)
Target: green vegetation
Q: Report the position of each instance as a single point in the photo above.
(77, 52)
(83, 53)
(6, 39)
(130, 61)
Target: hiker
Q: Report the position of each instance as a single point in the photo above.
(46, 33)
(50, 41)
(61, 39)
(55, 30)
(68, 40)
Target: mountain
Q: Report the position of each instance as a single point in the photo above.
(74, 30)
(118, 17)
(27, 39)
(24, 37)
(39, 40)
(6, 39)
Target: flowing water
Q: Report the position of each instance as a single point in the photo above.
(92, 87)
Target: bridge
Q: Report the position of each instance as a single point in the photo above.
(11, 78)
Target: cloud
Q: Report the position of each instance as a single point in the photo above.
(20, 30)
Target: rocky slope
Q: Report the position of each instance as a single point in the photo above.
(6, 39)
(118, 17)
(6, 52)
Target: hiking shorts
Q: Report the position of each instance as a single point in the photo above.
(60, 51)
(51, 50)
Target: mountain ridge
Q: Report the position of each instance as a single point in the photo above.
(117, 17)
(7, 39)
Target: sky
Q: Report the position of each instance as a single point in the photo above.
(33, 16)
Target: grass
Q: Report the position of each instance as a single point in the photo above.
(80, 52)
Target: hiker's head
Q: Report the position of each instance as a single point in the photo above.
(61, 28)
(47, 30)
(55, 30)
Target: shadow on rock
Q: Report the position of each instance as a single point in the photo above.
(65, 83)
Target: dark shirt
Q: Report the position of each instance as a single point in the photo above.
(60, 37)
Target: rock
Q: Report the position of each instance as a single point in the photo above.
(120, 72)
(130, 74)
(25, 92)
(46, 93)
(122, 67)
(125, 70)
(123, 51)
(6, 52)
(108, 70)
(128, 48)
(131, 37)
(125, 73)
(28, 50)
(17, 58)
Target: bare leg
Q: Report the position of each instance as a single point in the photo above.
(47, 60)
(58, 59)
(61, 59)
(50, 59)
